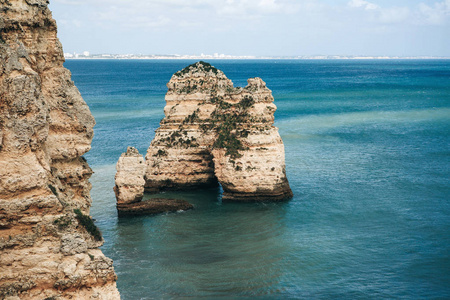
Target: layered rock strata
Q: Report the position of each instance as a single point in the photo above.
(129, 189)
(129, 178)
(213, 132)
(48, 242)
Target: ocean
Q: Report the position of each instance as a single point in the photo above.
(368, 159)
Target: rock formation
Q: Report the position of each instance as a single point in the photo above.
(130, 181)
(213, 132)
(129, 189)
(153, 207)
(48, 242)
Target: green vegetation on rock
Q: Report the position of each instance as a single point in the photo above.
(201, 65)
(161, 153)
(62, 222)
(88, 224)
(228, 120)
(53, 189)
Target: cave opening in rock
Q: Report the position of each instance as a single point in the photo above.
(212, 133)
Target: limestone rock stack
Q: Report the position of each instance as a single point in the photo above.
(130, 181)
(213, 132)
(45, 128)
(179, 156)
(129, 189)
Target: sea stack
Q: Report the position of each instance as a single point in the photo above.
(129, 178)
(48, 242)
(213, 132)
(129, 189)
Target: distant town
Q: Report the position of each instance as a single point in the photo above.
(87, 55)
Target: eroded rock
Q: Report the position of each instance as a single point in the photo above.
(45, 128)
(129, 179)
(129, 189)
(72, 244)
(213, 132)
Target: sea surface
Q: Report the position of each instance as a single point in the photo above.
(368, 159)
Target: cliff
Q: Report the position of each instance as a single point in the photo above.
(213, 132)
(48, 243)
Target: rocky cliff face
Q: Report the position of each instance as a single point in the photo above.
(48, 246)
(213, 132)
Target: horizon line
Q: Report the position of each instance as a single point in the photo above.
(87, 55)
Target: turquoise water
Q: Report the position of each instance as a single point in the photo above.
(368, 159)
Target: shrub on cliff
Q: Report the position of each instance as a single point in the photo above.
(88, 224)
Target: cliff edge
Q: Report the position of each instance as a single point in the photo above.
(48, 242)
(213, 132)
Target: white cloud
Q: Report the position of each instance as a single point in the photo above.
(269, 5)
(70, 2)
(244, 26)
(383, 15)
(393, 15)
(436, 13)
(362, 3)
(254, 8)
(71, 22)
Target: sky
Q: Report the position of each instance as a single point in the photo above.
(255, 27)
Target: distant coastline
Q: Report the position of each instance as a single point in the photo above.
(86, 55)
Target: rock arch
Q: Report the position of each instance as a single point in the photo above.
(214, 132)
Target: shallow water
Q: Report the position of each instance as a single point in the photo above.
(368, 159)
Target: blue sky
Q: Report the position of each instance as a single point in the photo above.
(255, 27)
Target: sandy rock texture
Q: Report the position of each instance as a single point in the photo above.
(45, 128)
(213, 132)
(129, 189)
(129, 179)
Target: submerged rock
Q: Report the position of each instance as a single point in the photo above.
(213, 132)
(45, 128)
(153, 207)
